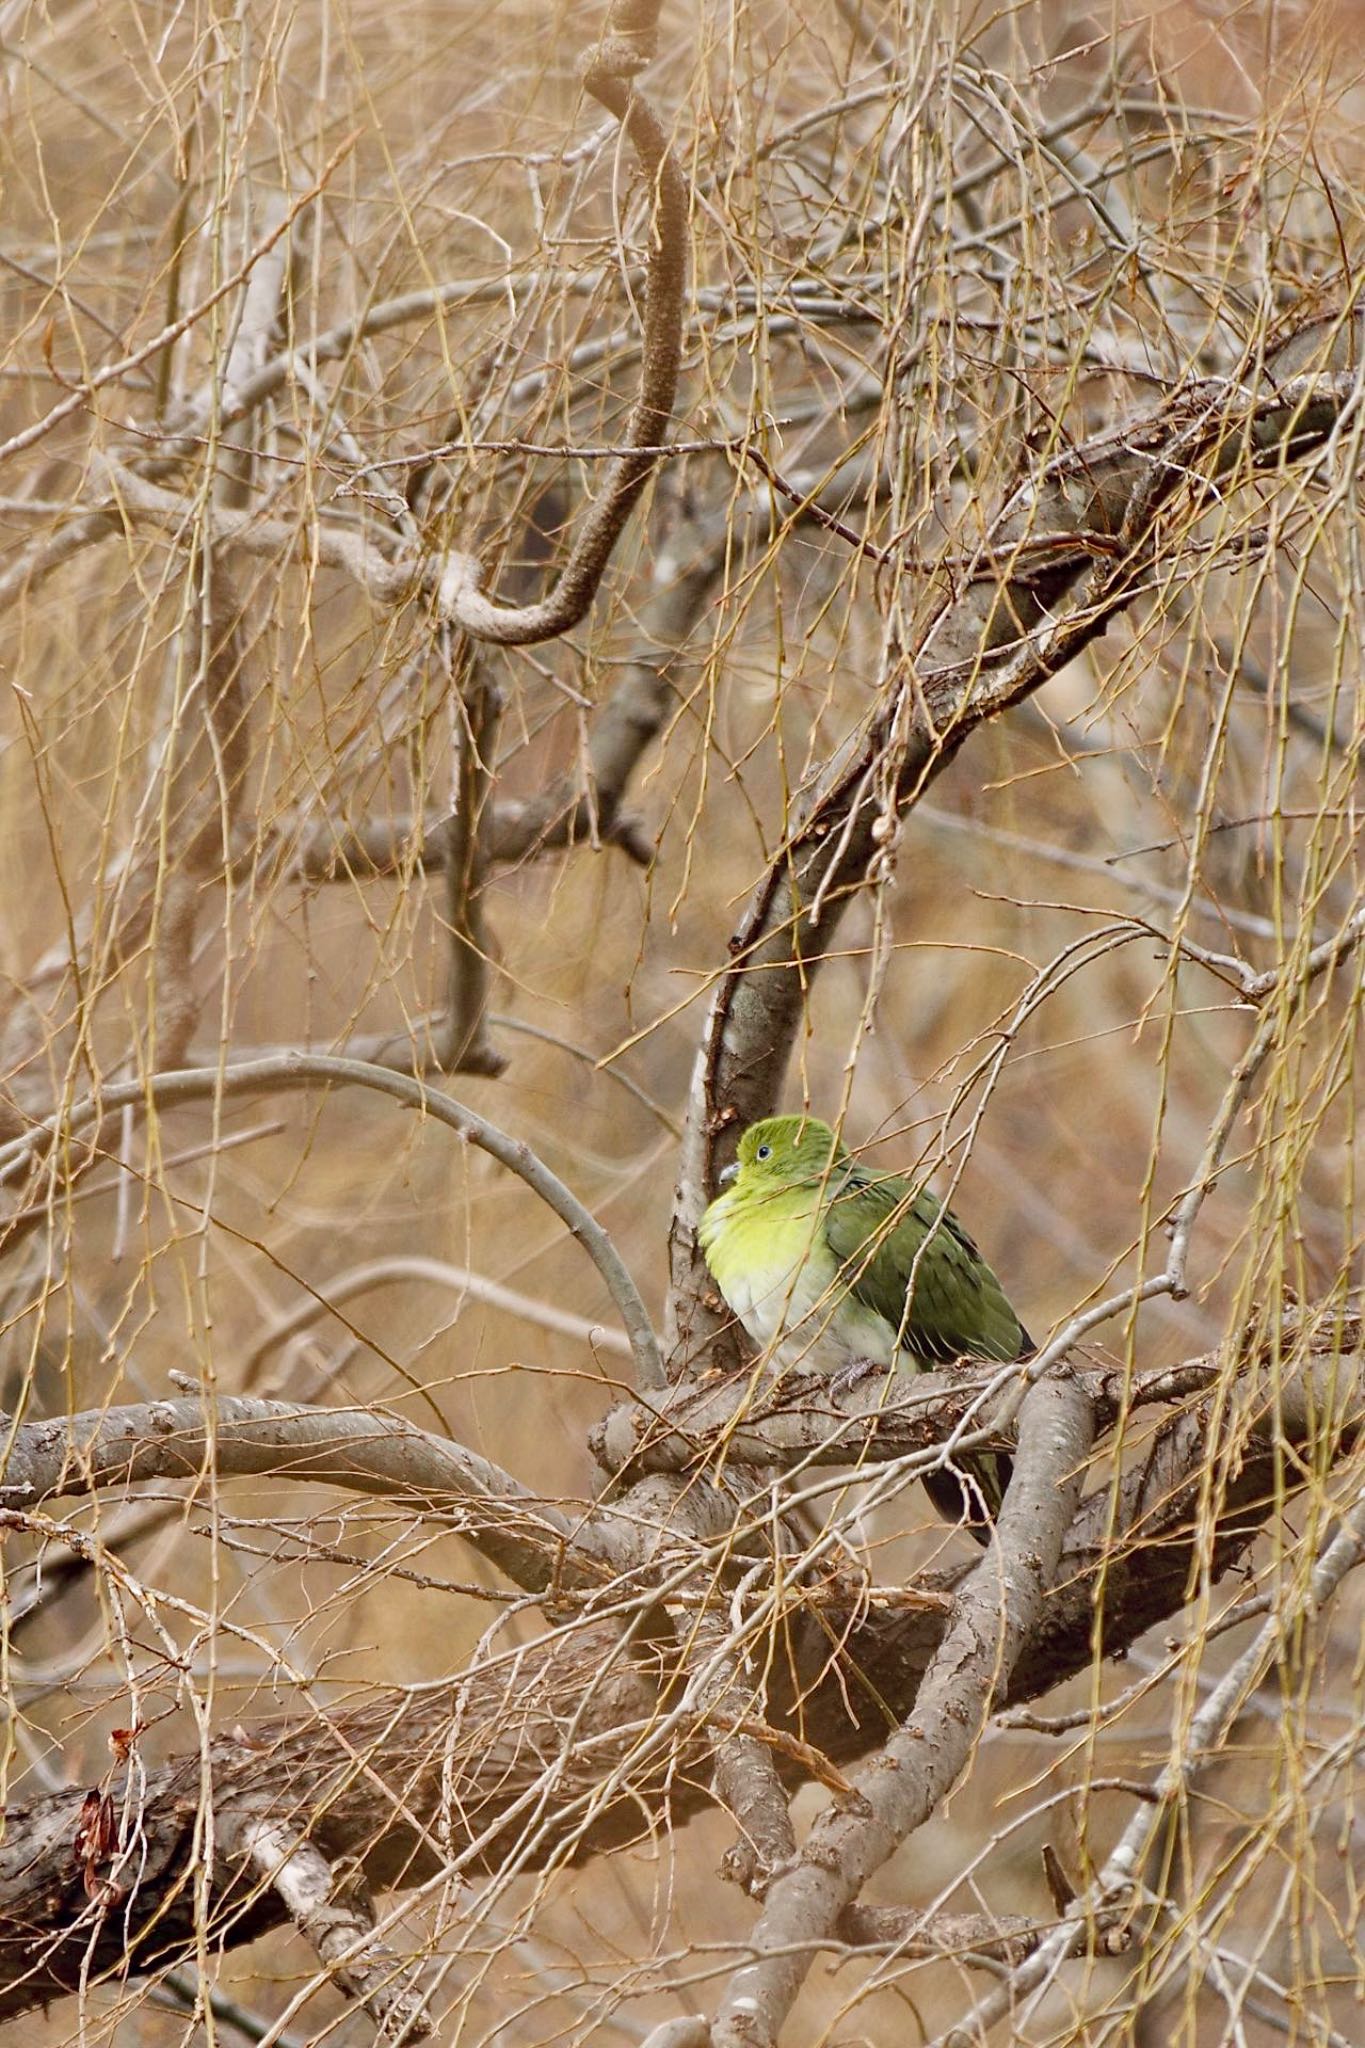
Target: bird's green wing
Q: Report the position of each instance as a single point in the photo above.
(878, 1227)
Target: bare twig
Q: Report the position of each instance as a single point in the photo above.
(113, 372)
(1197, 1745)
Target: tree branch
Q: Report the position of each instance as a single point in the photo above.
(627, 46)
(333, 1913)
(560, 1751)
(360, 1450)
(907, 1778)
(300, 1070)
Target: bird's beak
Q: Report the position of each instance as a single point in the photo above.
(728, 1173)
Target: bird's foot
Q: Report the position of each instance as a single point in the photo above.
(854, 1373)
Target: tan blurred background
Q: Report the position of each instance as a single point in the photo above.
(1198, 770)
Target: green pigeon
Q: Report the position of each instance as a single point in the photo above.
(835, 1267)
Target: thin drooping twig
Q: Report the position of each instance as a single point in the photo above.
(208, 741)
(905, 1780)
(202, 803)
(111, 373)
(198, 786)
(686, 565)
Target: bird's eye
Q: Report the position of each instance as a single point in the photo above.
(764, 1152)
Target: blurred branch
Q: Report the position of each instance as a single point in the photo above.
(690, 558)
(441, 1273)
(463, 1043)
(209, 762)
(627, 46)
(1197, 1745)
(183, 1992)
(112, 373)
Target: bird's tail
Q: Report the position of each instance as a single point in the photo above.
(970, 1491)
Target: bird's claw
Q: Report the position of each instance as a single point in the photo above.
(854, 1373)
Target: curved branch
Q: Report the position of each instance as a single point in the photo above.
(360, 1450)
(398, 1266)
(299, 1070)
(626, 47)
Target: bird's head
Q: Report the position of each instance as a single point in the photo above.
(783, 1149)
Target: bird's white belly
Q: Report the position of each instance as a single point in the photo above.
(799, 1311)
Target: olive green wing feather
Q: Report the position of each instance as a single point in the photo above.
(888, 1237)
(892, 1240)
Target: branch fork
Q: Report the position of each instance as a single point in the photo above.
(330, 1905)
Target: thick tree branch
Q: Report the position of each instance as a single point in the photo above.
(580, 1713)
(359, 1450)
(333, 1913)
(800, 1420)
(906, 1779)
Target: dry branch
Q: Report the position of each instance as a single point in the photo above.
(300, 1070)
(359, 1450)
(334, 1915)
(458, 1779)
(627, 46)
(905, 1780)
(463, 1043)
(688, 561)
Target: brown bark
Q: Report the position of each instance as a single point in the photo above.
(413, 1782)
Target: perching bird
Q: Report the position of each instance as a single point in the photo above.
(839, 1267)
